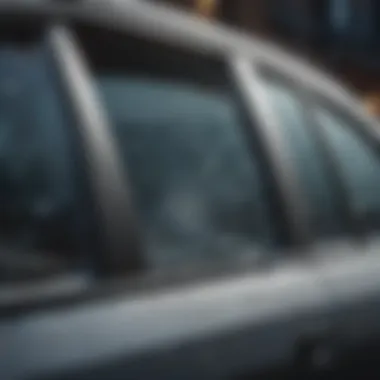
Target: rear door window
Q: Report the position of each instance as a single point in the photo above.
(200, 192)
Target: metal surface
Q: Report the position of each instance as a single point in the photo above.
(264, 315)
(259, 317)
(259, 108)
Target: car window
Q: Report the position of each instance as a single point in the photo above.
(199, 194)
(304, 149)
(42, 229)
(199, 191)
(358, 161)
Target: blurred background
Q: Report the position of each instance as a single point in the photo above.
(339, 35)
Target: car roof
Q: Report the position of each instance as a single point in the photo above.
(165, 23)
(157, 20)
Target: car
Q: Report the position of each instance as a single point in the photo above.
(179, 201)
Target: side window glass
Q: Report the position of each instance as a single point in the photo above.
(303, 147)
(41, 228)
(358, 161)
(199, 191)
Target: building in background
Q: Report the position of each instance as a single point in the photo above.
(342, 35)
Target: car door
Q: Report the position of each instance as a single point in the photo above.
(195, 203)
(53, 210)
(217, 296)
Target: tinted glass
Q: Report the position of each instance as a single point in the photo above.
(305, 151)
(198, 189)
(41, 227)
(358, 162)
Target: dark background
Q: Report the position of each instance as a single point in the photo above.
(339, 35)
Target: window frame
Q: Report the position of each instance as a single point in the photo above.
(96, 164)
(316, 88)
(137, 19)
(305, 96)
(261, 123)
(111, 192)
(262, 116)
(286, 191)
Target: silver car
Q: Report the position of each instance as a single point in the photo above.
(179, 201)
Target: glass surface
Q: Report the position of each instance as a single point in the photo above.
(41, 229)
(199, 191)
